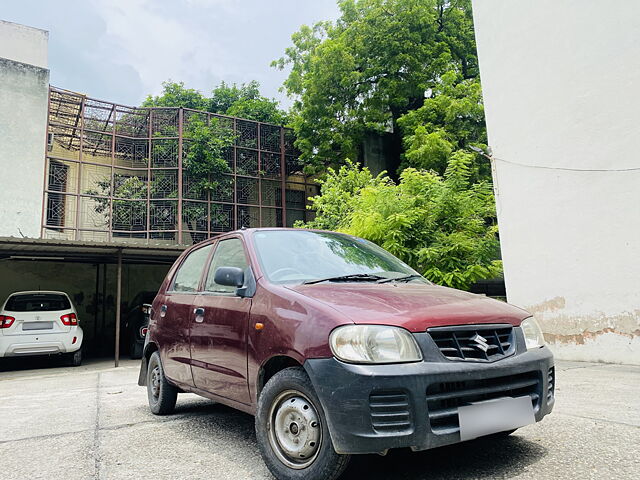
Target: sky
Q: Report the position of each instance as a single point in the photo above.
(122, 50)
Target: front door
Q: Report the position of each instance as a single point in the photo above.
(172, 312)
(219, 329)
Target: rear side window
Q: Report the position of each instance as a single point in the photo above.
(37, 302)
(188, 275)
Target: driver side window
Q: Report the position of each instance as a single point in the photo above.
(229, 253)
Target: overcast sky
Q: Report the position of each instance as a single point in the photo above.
(122, 50)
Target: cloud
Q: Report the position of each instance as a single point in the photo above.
(122, 50)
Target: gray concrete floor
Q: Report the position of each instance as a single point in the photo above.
(93, 422)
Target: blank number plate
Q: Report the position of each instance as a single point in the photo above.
(493, 416)
(37, 326)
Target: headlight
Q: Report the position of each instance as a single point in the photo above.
(374, 344)
(532, 333)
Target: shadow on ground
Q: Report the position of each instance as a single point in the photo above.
(489, 458)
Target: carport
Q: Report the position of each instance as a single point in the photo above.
(29, 264)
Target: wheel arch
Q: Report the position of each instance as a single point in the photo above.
(272, 366)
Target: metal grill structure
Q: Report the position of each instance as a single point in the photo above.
(115, 173)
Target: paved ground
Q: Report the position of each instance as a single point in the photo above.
(93, 422)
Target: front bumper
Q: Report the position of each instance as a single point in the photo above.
(374, 408)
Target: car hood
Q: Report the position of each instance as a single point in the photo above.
(413, 306)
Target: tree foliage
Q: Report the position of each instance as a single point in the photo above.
(448, 123)
(441, 225)
(372, 66)
(244, 101)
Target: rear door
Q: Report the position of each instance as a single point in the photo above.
(219, 329)
(172, 316)
(37, 313)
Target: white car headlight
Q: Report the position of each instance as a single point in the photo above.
(374, 344)
(532, 333)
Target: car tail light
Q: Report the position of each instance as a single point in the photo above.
(143, 331)
(75, 339)
(69, 319)
(6, 321)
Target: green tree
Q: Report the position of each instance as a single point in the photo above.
(174, 94)
(376, 63)
(441, 225)
(244, 101)
(450, 120)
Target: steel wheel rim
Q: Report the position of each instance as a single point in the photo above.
(155, 382)
(295, 431)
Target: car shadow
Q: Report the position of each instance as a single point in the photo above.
(487, 458)
(490, 458)
(32, 363)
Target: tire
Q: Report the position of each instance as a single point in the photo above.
(289, 401)
(135, 350)
(161, 394)
(75, 358)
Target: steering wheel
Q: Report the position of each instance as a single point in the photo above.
(280, 271)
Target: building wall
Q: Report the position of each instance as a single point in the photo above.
(24, 44)
(560, 82)
(23, 117)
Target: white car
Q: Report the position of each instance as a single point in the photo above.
(40, 323)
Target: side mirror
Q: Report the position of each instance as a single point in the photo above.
(229, 276)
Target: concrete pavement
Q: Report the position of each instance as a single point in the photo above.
(92, 422)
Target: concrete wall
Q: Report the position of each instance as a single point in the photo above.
(23, 116)
(93, 292)
(560, 81)
(24, 44)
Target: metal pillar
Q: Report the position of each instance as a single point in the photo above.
(118, 302)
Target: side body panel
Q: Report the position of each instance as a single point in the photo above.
(171, 333)
(219, 345)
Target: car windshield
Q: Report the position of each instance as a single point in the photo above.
(37, 302)
(303, 256)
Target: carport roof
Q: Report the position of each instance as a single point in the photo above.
(87, 252)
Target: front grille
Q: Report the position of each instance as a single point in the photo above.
(477, 343)
(443, 399)
(551, 384)
(390, 412)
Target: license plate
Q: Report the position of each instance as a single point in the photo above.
(493, 416)
(37, 326)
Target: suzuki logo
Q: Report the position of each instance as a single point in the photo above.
(480, 342)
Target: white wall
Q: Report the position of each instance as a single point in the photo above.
(24, 44)
(23, 116)
(561, 83)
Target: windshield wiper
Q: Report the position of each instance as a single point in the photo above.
(355, 277)
(404, 278)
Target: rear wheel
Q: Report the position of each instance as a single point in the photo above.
(292, 430)
(161, 394)
(135, 350)
(75, 358)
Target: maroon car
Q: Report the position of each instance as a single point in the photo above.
(339, 348)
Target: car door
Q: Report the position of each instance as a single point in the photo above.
(173, 316)
(219, 329)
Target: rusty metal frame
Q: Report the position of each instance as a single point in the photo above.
(93, 145)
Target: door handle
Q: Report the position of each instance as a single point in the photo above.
(199, 314)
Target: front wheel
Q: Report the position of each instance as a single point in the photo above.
(162, 395)
(292, 430)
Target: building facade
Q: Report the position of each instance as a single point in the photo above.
(560, 89)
